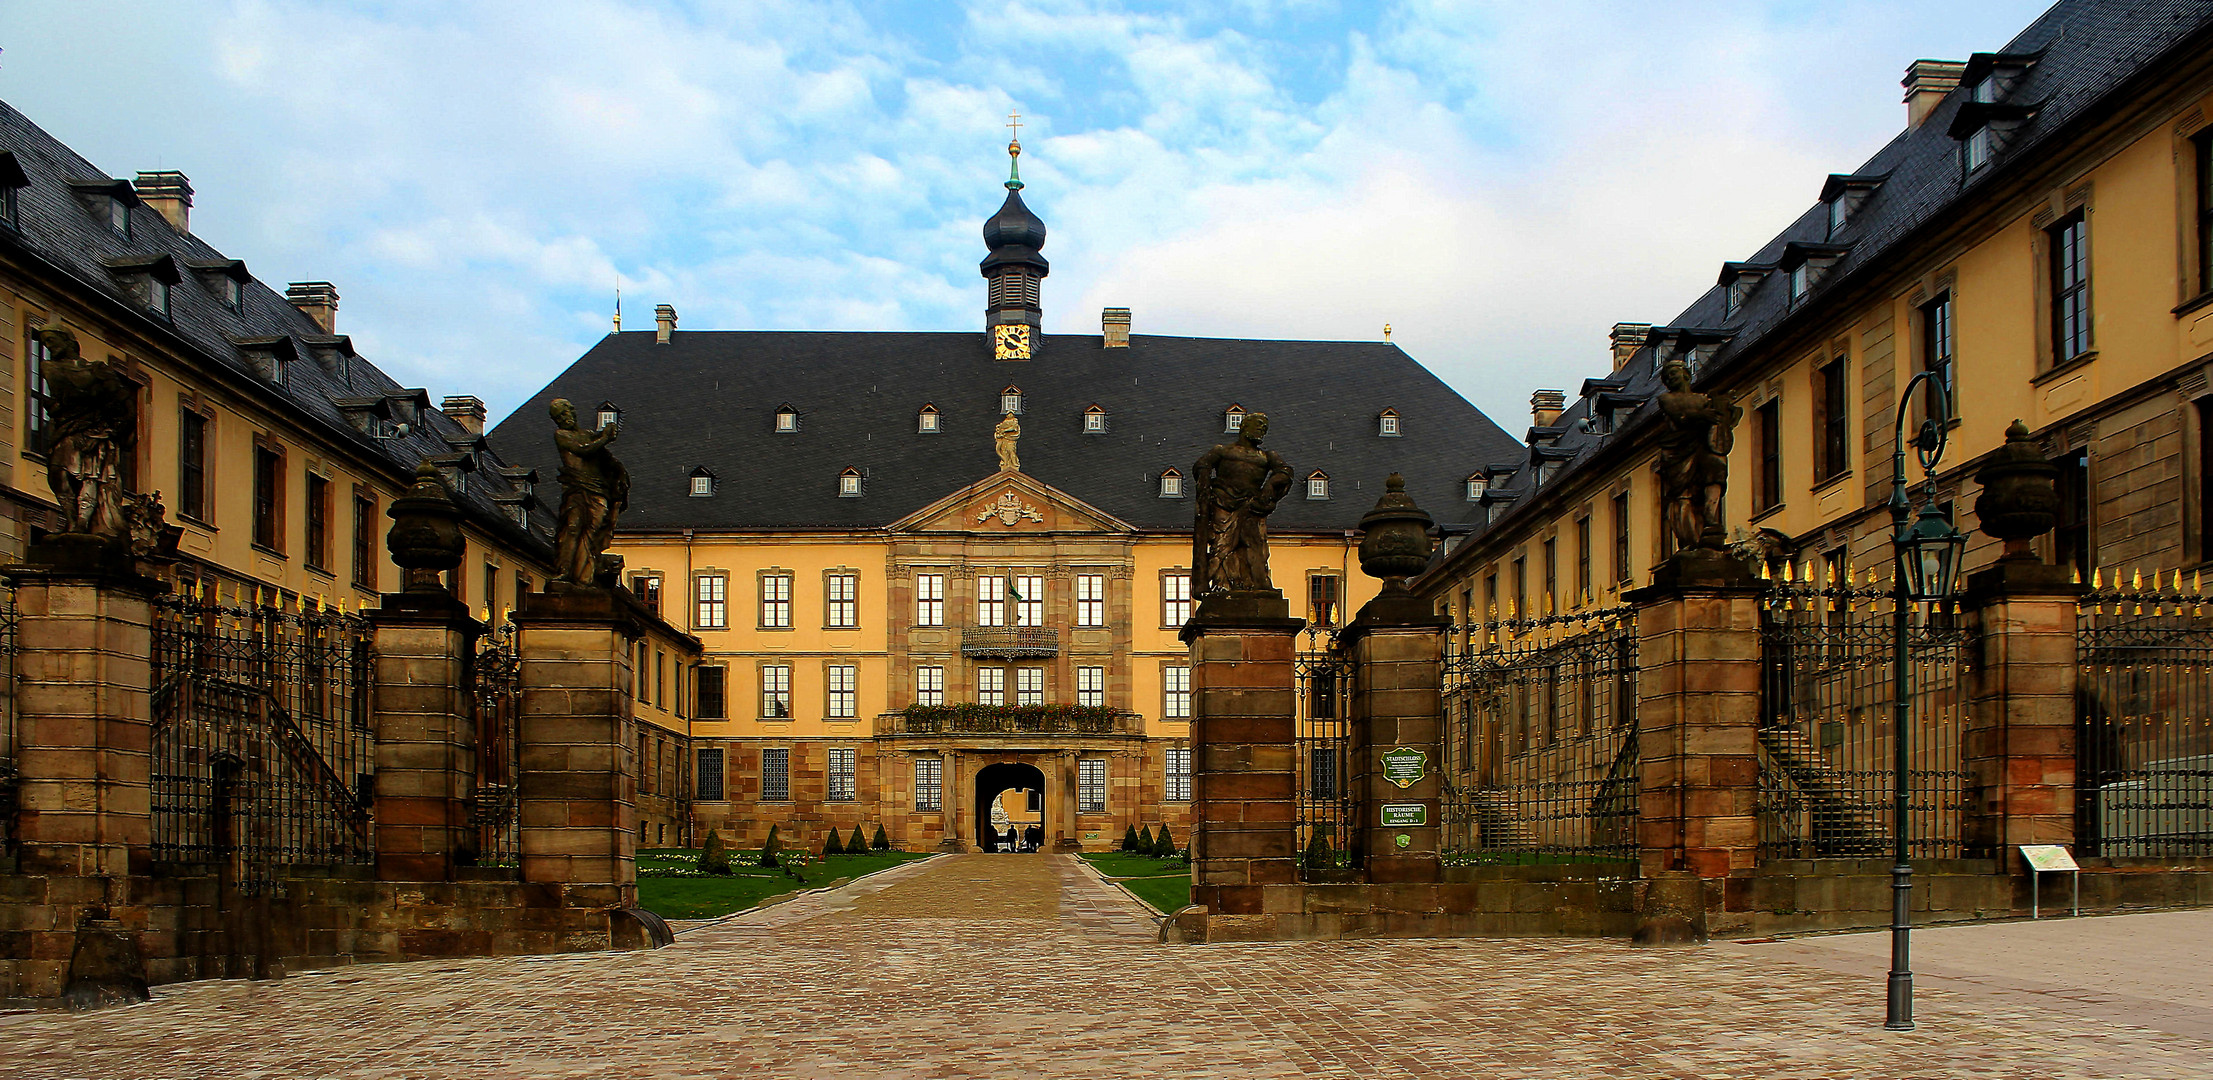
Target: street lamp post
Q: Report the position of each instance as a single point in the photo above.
(1927, 553)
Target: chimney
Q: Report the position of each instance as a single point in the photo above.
(1926, 83)
(170, 193)
(1627, 337)
(1545, 406)
(1114, 322)
(466, 410)
(664, 323)
(318, 300)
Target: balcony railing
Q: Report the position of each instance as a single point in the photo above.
(1010, 642)
(1010, 720)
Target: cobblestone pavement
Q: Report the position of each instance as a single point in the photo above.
(1013, 965)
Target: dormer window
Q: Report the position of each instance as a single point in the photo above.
(1975, 149)
(1094, 421)
(1844, 193)
(1010, 401)
(225, 280)
(1801, 280)
(147, 280)
(849, 484)
(1386, 424)
(1477, 485)
(1171, 484)
(1233, 420)
(1806, 264)
(925, 422)
(1317, 486)
(1839, 212)
(609, 414)
(703, 483)
(787, 420)
(11, 178)
(119, 216)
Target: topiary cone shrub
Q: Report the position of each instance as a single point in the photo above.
(1129, 839)
(858, 845)
(882, 841)
(1164, 846)
(1145, 841)
(768, 849)
(833, 846)
(1318, 856)
(715, 857)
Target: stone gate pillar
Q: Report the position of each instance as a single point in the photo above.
(2019, 746)
(425, 735)
(1244, 771)
(1397, 649)
(578, 786)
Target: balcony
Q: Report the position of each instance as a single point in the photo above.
(1010, 642)
(1010, 720)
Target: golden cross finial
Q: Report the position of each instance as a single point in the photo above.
(1014, 123)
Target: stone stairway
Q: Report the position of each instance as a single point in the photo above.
(1843, 823)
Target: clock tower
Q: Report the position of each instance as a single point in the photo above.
(1013, 318)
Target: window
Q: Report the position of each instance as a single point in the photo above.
(608, 414)
(1386, 424)
(39, 418)
(991, 600)
(787, 420)
(647, 588)
(2204, 144)
(1322, 599)
(2071, 538)
(1974, 151)
(775, 601)
(707, 784)
(841, 774)
(1621, 537)
(1767, 489)
(842, 593)
(1317, 486)
(1090, 599)
(776, 691)
(1521, 590)
(1094, 421)
(1175, 599)
(1028, 596)
(8, 205)
(1477, 485)
(929, 600)
(991, 686)
(1029, 686)
(929, 685)
(268, 498)
(844, 701)
(929, 783)
(1091, 786)
(711, 600)
(1178, 779)
(849, 484)
(925, 422)
(1801, 279)
(1551, 575)
(709, 687)
(1233, 419)
(1583, 591)
(1832, 425)
(318, 525)
(703, 483)
(1321, 774)
(1091, 686)
(643, 668)
(522, 586)
(1839, 212)
(776, 775)
(1171, 484)
(364, 539)
(119, 215)
(1936, 357)
(1490, 603)
(2070, 288)
(1010, 401)
(192, 465)
(1176, 681)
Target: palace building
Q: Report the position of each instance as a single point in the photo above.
(937, 573)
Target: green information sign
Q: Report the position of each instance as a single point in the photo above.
(1412, 813)
(1405, 766)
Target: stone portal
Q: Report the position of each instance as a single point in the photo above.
(1024, 817)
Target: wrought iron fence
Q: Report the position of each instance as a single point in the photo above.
(10, 729)
(2144, 740)
(495, 692)
(262, 750)
(1541, 745)
(1328, 790)
(1826, 756)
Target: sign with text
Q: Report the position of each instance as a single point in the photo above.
(1405, 766)
(2047, 858)
(1412, 813)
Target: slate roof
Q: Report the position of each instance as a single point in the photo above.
(2085, 49)
(57, 228)
(709, 398)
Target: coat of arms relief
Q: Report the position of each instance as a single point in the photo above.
(1010, 510)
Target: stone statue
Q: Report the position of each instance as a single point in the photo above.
(1237, 487)
(1697, 432)
(1002, 440)
(92, 425)
(595, 488)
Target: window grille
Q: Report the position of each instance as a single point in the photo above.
(844, 698)
(1322, 772)
(707, 784)
(1178, 770)
(842, 772)
(776, 775)
(1091, 785)
(929, 783)
(776, 692)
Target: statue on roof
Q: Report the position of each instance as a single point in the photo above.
(595, 489)
(1697, 431)
(1236, 487)
(1002, 440)
(91, 423)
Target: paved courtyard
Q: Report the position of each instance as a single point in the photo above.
(1026, 965)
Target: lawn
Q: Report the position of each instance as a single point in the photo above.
(670, 884)
(1163, 883)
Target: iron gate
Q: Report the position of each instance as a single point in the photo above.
(495, 694)
(2144, 737)
(1328, 792)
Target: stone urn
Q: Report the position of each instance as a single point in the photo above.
(426, 531)
(2020, 494)
(1394, 537)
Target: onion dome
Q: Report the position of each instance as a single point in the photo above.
(1014, 235)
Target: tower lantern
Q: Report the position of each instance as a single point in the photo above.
(1013, 317)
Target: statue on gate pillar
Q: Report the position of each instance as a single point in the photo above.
(1237, 486)
(1696, 435)
(91, 424)
(595, 489)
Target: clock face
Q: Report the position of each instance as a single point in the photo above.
(1010, 342)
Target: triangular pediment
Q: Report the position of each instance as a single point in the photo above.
(1010, 503)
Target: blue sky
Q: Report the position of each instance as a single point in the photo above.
(1499, 181)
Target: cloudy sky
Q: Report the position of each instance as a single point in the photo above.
(1501, 182)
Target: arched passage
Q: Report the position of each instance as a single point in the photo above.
(993, 781)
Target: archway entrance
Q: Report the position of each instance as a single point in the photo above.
(1018, 792)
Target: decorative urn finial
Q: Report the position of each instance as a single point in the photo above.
(426, 531)
(2020, 494)
(1394, 540)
